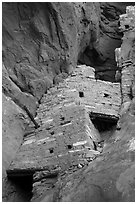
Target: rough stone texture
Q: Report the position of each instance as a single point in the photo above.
(33, 55)
(127, 80)
(65, 127)
(66, 138)
(64, 141)
(42, 40)
(127, 21)
(11, 90)
(13, 126)
(44, 185)
(13, 119)
(100, 54)
(105, 96)
(126, 56)
(109, 178)
(103, 101)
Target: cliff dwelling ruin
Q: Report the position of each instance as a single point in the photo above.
(66, 132)
(75, 103)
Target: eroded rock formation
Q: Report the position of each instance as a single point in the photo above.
(42, 43)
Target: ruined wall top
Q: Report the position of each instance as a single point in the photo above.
(125, 54)
(127, 21)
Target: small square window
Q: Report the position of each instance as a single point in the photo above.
(81, 94)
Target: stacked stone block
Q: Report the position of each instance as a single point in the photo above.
(99, 97)
(66, 137)
(127, 80)
(125, 56)
(127, 21)
(64, 140)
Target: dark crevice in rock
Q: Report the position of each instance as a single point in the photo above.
(23, 184)
(61, 37)
(103, 69)
(31, 117)
(130, 94)
(92, 56)
(20, 86)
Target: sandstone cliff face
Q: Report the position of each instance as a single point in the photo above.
(42, 43)
(100, 53)
(14, 122)
(43, 40)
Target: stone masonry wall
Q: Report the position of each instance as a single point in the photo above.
(82, 94)
(126, 55)
(99, 97)
(66, 138)
(63, 140)
(66, 134)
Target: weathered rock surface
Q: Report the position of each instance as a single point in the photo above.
(59, 143)
(13, 126)
(13, 120)
(100, 53)
(126, 57)
(11, 90)
(42, 43)
(108, 178)
(111, 177)
(66, 139)
(42, 40)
